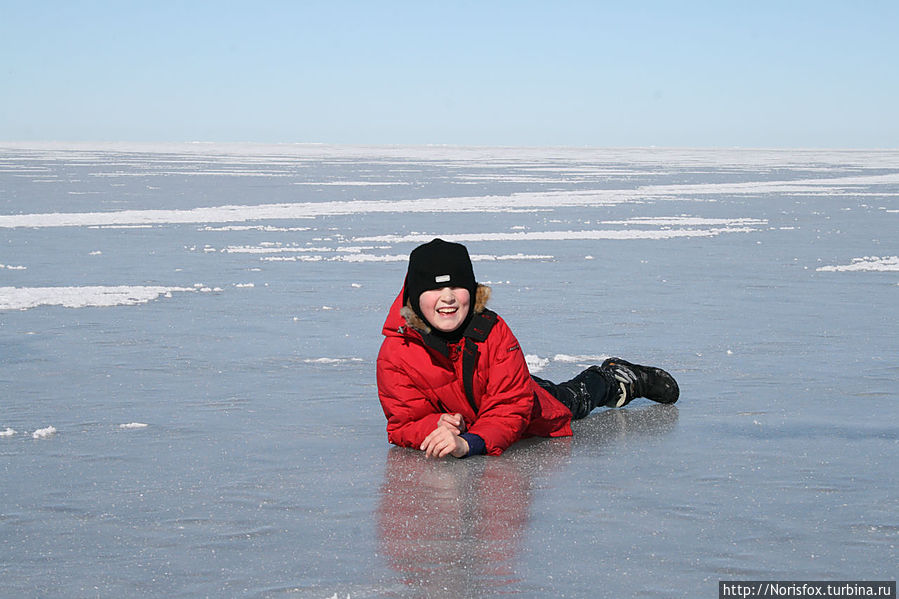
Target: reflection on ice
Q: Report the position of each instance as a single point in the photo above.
(454, 528)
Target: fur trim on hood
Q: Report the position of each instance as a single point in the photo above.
(482, 296)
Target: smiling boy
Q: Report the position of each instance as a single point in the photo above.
(452, 378)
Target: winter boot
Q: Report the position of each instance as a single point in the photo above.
(639, 381)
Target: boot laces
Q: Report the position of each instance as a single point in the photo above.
(627, 382)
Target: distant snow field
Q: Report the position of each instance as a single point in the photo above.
(514, 202)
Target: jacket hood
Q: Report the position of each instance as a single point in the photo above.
(401, 316)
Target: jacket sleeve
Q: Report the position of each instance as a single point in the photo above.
(508, 401)
(410, 415)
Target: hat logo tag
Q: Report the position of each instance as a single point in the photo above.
(442, 279)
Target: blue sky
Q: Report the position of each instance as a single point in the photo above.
(632, 73)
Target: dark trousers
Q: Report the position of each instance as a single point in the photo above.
(588, 390)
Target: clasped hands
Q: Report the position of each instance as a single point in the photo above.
(445, 439)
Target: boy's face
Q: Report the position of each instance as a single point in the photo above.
(446, 308)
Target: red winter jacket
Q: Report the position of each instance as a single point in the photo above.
(417, 383)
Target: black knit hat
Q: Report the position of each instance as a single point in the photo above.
(435, 265)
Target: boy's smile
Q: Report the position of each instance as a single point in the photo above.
(446, 308)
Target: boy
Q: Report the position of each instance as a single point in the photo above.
(452, 378)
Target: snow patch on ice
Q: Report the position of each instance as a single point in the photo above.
(44, 433)
(867, 263)
(687, 221)
(24, 298)
(331, 360)
(584, 359)
(268, 248)
(264, 228)
(114, 226)
(359, 258)
(352, 183)
(501, 257)
(515, 202)
(536, 363)
(596, 234)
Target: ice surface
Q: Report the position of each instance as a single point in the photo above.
(218, 426)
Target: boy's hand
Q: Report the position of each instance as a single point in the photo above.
(443, 442)
(453, 422)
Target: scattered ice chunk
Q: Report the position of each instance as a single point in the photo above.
(7, 433)
(536, 363)
(244, 285)
(134, 425)
(44, 433)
